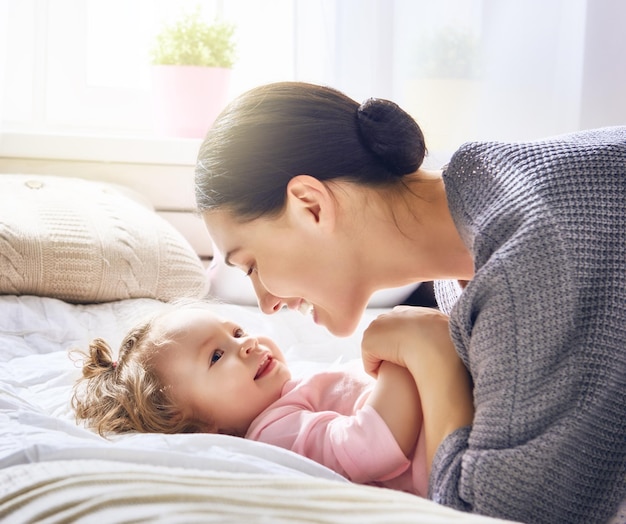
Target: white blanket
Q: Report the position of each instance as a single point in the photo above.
(36, 377)
(52, 468)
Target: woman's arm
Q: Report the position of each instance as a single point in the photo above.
(396, 399)
(419, 340)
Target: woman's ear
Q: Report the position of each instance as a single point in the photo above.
(310, 202)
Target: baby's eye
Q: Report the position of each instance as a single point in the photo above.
(215, 356)
(238, 333)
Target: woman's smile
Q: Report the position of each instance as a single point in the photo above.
(306, 308)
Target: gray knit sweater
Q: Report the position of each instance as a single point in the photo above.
(542, 329)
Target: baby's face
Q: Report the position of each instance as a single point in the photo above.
(216, 371)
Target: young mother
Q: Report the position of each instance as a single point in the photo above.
(322, 201)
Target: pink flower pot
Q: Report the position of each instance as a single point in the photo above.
(187, 99)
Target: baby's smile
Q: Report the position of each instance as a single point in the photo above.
(265, 366)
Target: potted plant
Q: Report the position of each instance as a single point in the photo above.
(443, 91)
(449, 53)
(191, 66)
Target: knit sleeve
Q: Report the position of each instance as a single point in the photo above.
(525, 395)
(542, 328)
(444, 480)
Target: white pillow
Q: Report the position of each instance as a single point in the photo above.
(85, 242)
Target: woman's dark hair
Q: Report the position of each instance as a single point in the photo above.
(274, 132)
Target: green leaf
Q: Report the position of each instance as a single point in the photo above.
(192, 41)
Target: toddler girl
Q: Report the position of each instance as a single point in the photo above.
(188, 370)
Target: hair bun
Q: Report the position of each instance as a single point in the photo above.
(392, 135)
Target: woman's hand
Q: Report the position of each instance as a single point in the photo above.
(419, 340)
(402, 335)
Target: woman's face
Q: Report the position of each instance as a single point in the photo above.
(294, 261)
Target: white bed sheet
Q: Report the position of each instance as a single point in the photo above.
(36, 377)
(44, 452)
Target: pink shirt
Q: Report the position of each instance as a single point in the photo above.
(323, 417)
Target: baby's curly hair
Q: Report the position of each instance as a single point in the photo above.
(127, 395)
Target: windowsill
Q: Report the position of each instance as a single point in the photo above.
(100, 148)
(167, 151)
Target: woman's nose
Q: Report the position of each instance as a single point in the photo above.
(268, 303)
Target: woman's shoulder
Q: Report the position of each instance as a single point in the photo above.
(498, 187)
(525, 153)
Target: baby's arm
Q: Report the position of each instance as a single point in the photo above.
(396, 399)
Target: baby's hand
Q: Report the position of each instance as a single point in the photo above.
(403, 336)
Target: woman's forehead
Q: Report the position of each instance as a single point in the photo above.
(228, 233)
(221, 224)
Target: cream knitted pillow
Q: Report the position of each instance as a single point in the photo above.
(85, 242)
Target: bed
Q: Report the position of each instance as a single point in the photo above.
(82, 259)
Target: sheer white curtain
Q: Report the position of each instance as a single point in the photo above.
(483, 69)
(4, 10)
(466, 69)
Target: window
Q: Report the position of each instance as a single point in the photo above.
(465, 69)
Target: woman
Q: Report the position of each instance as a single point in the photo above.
(322, 201)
